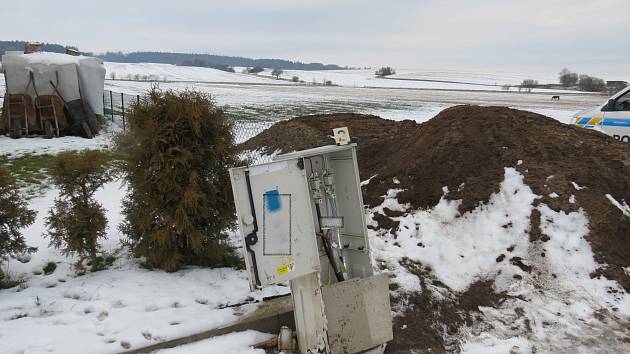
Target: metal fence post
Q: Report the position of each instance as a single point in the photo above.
(138, 99)
(111, 103)
(122, 99)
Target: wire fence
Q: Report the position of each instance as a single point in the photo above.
(117, 105)
(244, 131)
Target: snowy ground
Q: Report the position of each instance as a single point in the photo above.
(130, 306)
(38, 145)
(417, 78)
(168, 72)
(562, 309)
(109, 310)
(262, 97)
(423, 78)
(233, 343)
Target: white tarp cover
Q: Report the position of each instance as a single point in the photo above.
(75, 76)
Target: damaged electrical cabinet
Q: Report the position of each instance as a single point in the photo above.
(301, 219)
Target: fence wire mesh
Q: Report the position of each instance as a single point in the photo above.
(118, 104)
(244, 131)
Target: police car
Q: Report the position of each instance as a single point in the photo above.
(612, 118)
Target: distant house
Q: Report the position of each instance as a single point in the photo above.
(615, 86)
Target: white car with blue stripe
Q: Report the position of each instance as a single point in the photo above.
(612, 118)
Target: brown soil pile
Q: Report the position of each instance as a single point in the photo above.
(466, 149)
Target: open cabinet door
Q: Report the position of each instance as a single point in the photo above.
(275, 221)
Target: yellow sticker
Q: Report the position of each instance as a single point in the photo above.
(284, 269)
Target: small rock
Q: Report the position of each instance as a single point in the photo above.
(125, 344)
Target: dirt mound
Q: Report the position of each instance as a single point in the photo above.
(466, 148)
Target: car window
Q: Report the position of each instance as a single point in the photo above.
(623, 102)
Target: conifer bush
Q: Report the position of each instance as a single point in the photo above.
(14, 216)
(77, 222)
(177, 151)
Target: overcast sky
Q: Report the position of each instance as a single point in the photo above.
(552, 34)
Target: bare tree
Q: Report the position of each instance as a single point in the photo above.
(590, 83)
(276, 73)
(568, 78)
(529, 84)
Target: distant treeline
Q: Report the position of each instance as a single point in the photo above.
(205, 64)
(180, 58)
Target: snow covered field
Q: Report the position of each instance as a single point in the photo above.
(275, 102)
(497, 78)
(168, 72)
(389, 98)
(262, 99)
(405, 78)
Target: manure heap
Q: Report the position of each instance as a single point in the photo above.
(502, 229)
